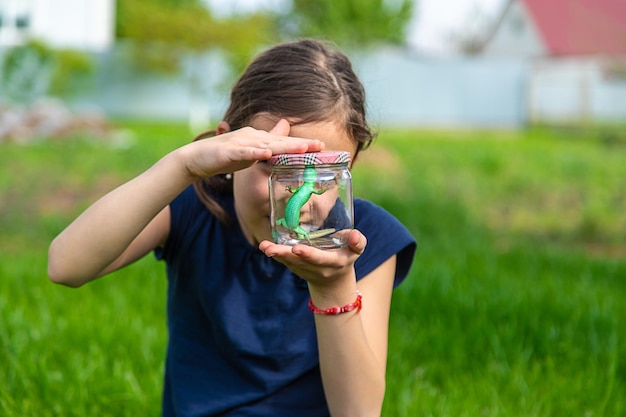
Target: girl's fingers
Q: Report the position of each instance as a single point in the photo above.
(312, 264)
(315, 258)
(239, 149)
(296, 145)
(262, 152)
(249, 144)
(274, 250)
(293, 145)
(287, 144)
(259, 154)
(356, 244)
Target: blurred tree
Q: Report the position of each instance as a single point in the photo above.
(26, 72)
(173, 36)
(165, 31)
(72, 72)
(350, 22)
(33, 70)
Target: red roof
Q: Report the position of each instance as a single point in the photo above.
(581, 27)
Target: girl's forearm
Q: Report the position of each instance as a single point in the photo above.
(102, 232)
(353, 375)
(354, 380)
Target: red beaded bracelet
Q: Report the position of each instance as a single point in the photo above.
(333, 311)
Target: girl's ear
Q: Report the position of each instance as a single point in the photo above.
(222, 127)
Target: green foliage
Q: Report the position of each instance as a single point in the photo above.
(164, 32)
(184, 25)
(515, 305)
(72, 72)
(26, 72)
(351, 22)
(34, 69)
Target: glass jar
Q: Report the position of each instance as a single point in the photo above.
(311, 199)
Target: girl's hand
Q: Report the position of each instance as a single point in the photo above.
(241, 148)
(324, 270)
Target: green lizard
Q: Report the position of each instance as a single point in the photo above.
(300, 197)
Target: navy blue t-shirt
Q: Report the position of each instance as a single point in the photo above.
(242, 340)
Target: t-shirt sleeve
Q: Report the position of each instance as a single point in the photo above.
(386, 237)
(184, 211)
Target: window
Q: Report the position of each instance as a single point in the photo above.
(22, 22)
(15, 21)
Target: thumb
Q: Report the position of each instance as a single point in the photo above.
(357, 242)
(281, 128)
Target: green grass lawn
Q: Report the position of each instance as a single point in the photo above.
(516, 305)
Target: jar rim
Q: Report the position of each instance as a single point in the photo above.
(311, 158)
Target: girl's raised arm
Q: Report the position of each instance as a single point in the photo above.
(101, 234)
(98, 240)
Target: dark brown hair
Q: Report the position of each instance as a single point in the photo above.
(303, 81)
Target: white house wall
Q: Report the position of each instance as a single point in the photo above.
(81, 24)
(413, 91)
(576, 89)
(78, 24)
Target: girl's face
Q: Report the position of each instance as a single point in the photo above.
(250, 185)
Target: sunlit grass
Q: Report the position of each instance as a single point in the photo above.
(516, 304)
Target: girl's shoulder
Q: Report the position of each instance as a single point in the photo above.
(386, 236)
(379, 222)
(190, 219)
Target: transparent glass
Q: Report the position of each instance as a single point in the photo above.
(311, 205)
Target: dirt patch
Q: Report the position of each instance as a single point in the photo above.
(606, 251)
(49, 119)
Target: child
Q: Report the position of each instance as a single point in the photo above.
(243, 338)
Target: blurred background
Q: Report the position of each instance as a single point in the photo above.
(502, 147)
(470, 63)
